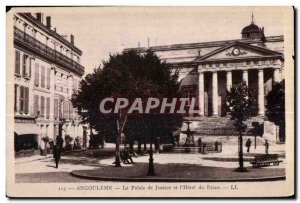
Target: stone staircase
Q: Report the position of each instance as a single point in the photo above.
(216, 125)
(220, 129)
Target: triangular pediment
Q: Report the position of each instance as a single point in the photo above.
(238, 50)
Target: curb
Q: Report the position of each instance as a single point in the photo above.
(157, 179)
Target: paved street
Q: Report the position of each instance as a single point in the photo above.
(43, 170)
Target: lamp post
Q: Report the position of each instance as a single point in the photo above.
(151, 171)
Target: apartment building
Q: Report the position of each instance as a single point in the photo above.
(47, 73)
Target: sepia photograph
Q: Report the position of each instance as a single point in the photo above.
(150, 102)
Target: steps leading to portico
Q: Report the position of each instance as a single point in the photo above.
(216, 125)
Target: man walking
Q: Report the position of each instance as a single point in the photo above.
(248, 145)
(56, 154)
(267, 147)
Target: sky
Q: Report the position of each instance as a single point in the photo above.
(101, 31)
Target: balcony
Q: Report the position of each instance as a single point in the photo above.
(28, 42)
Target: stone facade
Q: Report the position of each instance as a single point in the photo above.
(208, 69)
(47, 73)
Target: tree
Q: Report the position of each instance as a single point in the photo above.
(239, 101)
(128, 75)
(276, 107)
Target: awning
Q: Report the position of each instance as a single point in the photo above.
(27, 128)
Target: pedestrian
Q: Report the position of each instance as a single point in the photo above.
(199, 142)
(267, 147)
(56, 154)
(59, 142)
(248, 145)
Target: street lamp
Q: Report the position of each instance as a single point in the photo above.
(151, 171)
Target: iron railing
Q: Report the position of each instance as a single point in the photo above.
(45, 51)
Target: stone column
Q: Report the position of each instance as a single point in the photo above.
(228, 80)
(228, 84)
(201, 93)
(276, 75)
(261, 94)
(215, 94)
(245, 76)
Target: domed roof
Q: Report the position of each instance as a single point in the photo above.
(252, 28)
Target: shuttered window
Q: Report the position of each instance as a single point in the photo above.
(48, 108)
(48, 78)
(29, 69)
(66, 109)
(55, 108)
(60, 109)
(26, 66)
(17, 63)
(36, 74)
(21, 99)
(43, 76)
(16, 97)
(25, 58)
(42, 106)
(36, 105)
(24, 99)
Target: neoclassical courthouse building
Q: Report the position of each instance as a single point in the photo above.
(47, 71)
(208, 69)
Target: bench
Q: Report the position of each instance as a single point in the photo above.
(126, 157)
(265, 160)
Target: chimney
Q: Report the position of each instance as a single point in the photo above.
(39, 17)
(48, 22)
(72, 39)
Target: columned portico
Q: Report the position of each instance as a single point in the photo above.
(228, 80)
(201, 93)
(276, 75)
(215, 95)
(220, 69)
(211, 79)
(245, 76)
(261, 99)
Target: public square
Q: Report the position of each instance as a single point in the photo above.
(185, 166)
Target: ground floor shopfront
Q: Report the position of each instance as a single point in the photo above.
(29, 133)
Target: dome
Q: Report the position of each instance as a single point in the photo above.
(252, 28)
(252, 31)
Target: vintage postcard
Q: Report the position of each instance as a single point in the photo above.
(150, 102)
